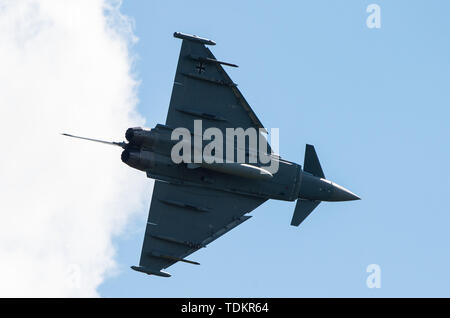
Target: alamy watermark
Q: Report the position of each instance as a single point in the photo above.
(374, 278)
(373, 21)
(237, 146)
(73, 276)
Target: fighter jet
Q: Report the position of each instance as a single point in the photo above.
(196, 202)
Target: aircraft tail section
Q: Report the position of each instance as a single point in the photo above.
(311, 164)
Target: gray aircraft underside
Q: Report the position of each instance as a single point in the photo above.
(194, 204)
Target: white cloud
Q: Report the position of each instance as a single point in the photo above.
(64, 67)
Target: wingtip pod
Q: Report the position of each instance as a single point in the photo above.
(193, 38)
(150, 271)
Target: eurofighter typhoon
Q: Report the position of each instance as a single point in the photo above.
(205, 182)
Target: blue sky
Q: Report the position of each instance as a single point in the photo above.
(374, 102)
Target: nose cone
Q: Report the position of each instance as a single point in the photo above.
(342, 194)
(320, 189)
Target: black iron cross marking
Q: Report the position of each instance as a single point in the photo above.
(200, 68)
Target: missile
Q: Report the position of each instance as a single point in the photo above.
(150, 271)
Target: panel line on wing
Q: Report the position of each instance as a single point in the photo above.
(185, 205)
(200, 114)
(171, 257)
(176, 241)
(226, 229)
(211, 80)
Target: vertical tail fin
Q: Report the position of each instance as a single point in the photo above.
(312, 163)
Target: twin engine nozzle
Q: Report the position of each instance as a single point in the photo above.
(137, 158)
(137, 138)
(140, 137)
